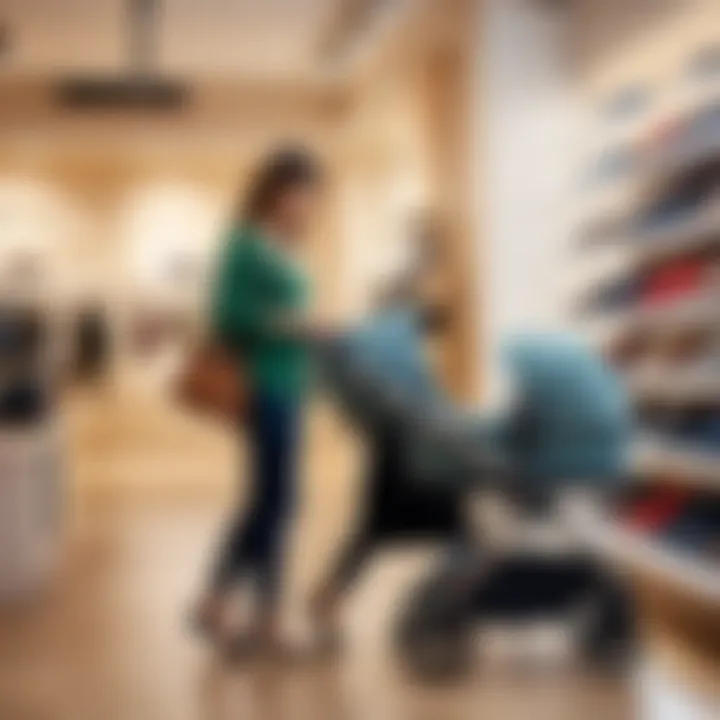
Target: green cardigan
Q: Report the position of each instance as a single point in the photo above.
(256, 284)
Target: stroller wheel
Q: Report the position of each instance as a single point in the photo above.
(431, 644)
(433, 636)
(609, 642)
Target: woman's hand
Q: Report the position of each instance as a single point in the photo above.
(319, 329)
(307, 327)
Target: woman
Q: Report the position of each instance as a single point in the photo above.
(260, 300)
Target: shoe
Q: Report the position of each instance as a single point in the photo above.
(207, 619)
(618, 294)
(673, 280)
(328, 641)
(612, 165)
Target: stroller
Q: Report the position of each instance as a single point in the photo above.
(568, 427)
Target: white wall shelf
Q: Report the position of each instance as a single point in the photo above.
(659, 456)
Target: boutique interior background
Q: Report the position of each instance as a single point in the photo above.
(118, 210)
(416, 106)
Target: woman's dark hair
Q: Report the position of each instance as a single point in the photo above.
(282, 171)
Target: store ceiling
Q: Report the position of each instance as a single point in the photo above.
(196, 38)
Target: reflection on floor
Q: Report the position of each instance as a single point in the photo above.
(109, 640)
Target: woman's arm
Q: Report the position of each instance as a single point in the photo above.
(238, 307)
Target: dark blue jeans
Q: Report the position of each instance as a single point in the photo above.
(254, 545)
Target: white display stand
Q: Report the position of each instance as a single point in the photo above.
(660, 697)
(31, 498)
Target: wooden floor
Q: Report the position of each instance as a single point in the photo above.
(108, 640)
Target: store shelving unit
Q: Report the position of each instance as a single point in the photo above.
(641, 556)
(687, 234)
(677, 593)
(655, 457)
(682, 389)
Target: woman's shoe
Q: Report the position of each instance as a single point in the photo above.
(328, 637)
(329, 643)
(207, 618)
(240, 648)
(279, 651)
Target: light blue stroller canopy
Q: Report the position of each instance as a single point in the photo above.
(570, 422)
(573, 419)
(378, 372)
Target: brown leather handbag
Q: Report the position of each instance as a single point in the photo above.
(213, 383)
